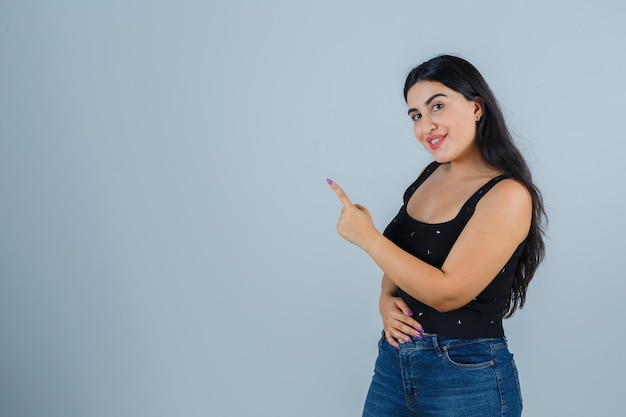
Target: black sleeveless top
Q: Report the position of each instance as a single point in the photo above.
(481, 317)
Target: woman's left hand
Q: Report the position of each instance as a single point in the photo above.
(355, 224)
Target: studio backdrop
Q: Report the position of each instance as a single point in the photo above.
(167, 239)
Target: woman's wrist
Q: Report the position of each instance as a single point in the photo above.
(384, 300)
(373, 243)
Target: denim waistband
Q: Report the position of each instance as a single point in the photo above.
(438, 343)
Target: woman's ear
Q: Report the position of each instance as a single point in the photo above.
(478, 108)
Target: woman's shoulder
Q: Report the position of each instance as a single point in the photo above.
(508, 198)
(427, 170)
(510, 189)
(424, 173)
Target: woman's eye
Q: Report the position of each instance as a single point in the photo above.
(416, 116)
(437, 106)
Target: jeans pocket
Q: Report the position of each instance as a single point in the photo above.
(473, 355)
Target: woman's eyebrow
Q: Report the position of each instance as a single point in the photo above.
(434, 97)
(427, 102)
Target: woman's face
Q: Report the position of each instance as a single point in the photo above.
(443, 120)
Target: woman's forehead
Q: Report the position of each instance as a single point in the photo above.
(423, 90)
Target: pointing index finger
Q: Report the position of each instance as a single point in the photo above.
(340, 193)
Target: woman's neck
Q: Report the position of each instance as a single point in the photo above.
(469, 165)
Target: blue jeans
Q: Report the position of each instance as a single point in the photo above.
(436, 376)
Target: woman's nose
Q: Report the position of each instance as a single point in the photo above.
(428, 125)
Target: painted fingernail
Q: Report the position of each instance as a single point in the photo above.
(397, 347)
(419, 329)
(409, 313)
(329, 181)
(418, 336)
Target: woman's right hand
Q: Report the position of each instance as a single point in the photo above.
(398, 324)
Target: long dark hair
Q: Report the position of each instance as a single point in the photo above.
(498, 150)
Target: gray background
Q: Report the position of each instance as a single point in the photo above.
(167, 240)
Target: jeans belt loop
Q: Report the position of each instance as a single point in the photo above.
(436, 345)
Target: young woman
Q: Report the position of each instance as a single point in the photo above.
(456, 259)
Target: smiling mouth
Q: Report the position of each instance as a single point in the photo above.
(435, 139)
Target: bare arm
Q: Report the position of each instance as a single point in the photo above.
(500, 223)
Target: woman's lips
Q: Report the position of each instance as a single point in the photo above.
(435, 141)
